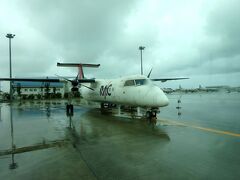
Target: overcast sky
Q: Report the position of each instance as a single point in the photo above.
(199, 39)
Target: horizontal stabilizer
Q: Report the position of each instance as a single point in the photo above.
(168, 79)
(77, 65)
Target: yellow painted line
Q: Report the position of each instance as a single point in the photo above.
(217, 131)
(204, 129)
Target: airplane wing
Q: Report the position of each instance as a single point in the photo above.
(46, 80)
(167, 79)
(86, 80)
(31, 79)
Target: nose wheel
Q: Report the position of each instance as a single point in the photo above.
(152, 116)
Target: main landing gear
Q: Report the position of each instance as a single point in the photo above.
(151, 116)
(105, 108)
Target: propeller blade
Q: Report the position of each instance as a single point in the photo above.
(149, 73)
(87, 87)
(63, 78)
(76, 78)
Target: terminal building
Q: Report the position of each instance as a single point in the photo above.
(1, 96)
(37, 88)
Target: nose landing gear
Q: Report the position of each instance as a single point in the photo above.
(151, 116)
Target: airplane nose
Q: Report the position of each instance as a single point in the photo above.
(165, 100)
(161, 98)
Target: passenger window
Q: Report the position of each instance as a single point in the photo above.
(129, 83)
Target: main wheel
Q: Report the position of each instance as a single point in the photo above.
(148, 114)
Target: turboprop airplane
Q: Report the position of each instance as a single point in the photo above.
(133, 91)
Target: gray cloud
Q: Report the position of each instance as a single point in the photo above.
(181, 39)
(81, 28)
(218, 52)
(223, 41)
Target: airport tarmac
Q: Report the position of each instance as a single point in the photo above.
(201, 143)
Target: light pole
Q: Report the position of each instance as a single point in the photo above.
(13, 165)
(141, 48)
(10, 36)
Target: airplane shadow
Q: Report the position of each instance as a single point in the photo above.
(94, 126)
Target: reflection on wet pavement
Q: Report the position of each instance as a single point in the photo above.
(115, 145)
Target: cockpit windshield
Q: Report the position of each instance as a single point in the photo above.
(135, 82)
(129, 83)
(140, 82)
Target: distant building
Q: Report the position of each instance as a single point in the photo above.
(217, 88)
(1, 93)
(167, 90)
(1, 96)
(35, 88)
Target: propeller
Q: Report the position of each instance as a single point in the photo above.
(75, 83)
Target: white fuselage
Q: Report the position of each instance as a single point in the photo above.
(137, 91)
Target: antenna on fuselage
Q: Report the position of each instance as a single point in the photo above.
(149, 73)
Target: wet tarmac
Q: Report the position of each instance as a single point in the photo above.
(201, 143)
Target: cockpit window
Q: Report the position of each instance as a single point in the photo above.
(135, 82)
(129, 83)
(140, 82)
